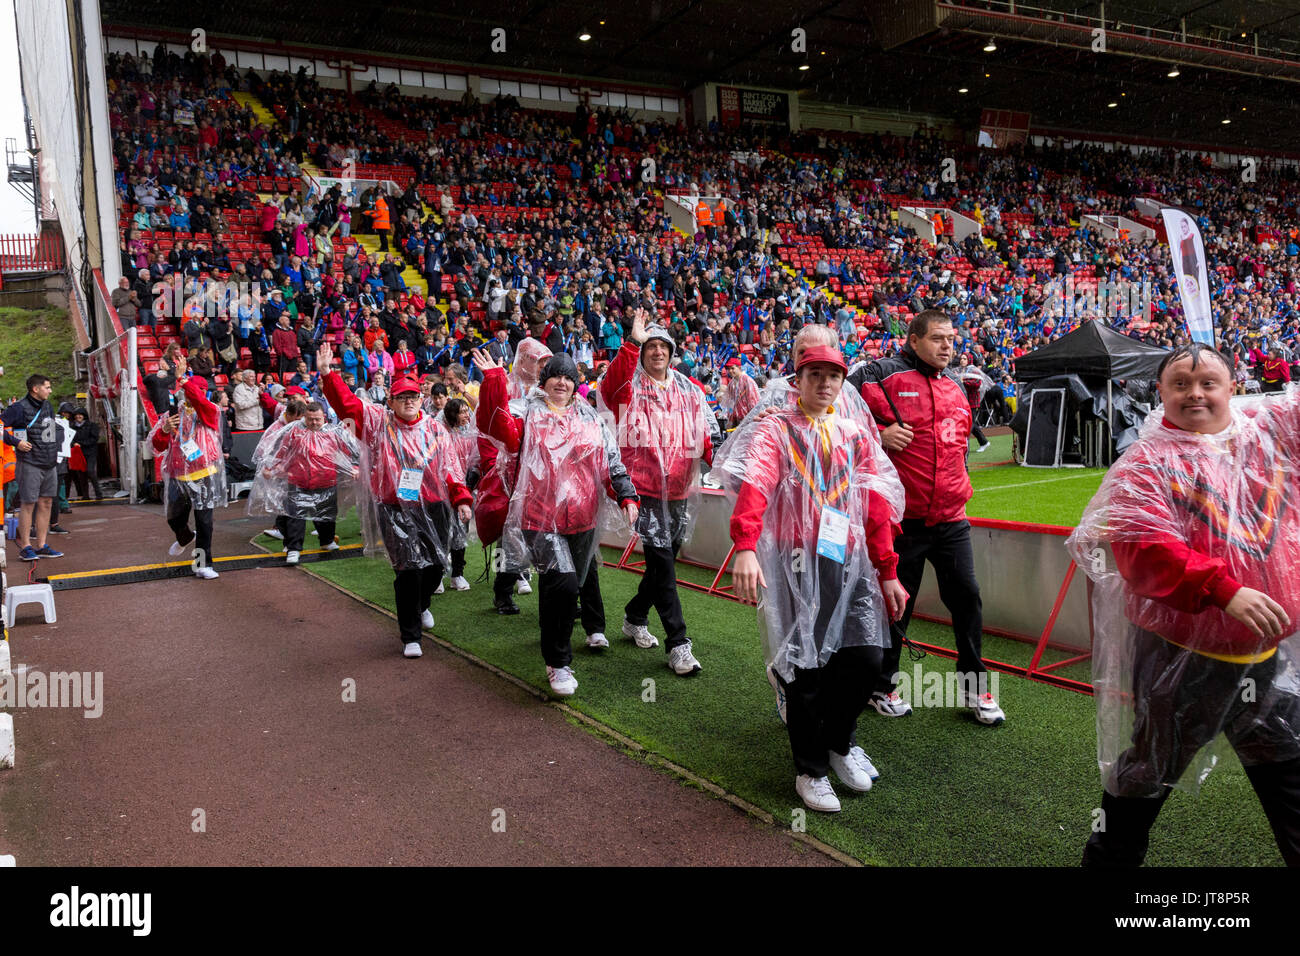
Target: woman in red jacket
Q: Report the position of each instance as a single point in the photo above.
(414, 479)
(188, 441)
(812, 524)
(1194, 618)
(567, 462)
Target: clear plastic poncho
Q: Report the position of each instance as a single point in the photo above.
(849, 405)
(200, 472)
(663, 431)
(411, 522)
(1173, 516)
(518, 383)
(465, 441)
(973, 381)
(303, 473)
(568, 462)
(813, 605)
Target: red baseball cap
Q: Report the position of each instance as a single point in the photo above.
(295, 390)
(732, 363)
(200, 381)
(815, 354)
(403, 385)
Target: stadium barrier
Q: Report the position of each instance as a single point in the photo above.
(1027, 582)
(31, 253)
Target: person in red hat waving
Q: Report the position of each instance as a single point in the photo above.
(812, 528)
(414, 479)
(188, 441)
(567, 463)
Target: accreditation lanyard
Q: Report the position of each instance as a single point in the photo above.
(833, 526)
(189, 447)
(411, 476)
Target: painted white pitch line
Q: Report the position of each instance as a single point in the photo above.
(1040, 481)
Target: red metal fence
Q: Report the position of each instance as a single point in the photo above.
(32, 253)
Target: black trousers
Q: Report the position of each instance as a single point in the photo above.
(658, 587)
(300, 503)
(1182, 701)
(85, 480)
(413, 591)
(947, 547)
(178, 519)
(457, 562)
(976, 431)
(823, 704)
(503, 585)
(557, 605)
(411, 537)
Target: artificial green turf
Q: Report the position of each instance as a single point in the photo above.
(952, 792)
(1037, 495)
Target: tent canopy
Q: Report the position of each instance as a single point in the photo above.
(1093, 350)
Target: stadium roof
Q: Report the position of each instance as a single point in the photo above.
(880, 53)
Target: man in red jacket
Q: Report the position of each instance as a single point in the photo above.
(663, 434)
(284, 340)
(742, 392)
(1195, 618)
(414, 479)
(188, 439)
(925, 420)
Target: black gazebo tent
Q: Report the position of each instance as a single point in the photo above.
(1083, 368)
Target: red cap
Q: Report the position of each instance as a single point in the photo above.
(732, 363)
(822, 353)
(404, 384)
(295, 390)
(200, 381)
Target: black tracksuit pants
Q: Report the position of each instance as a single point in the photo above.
(557, 606)
(1175, 718)
(658, 587)
(295, 526)
(947, 546)
(178, 519)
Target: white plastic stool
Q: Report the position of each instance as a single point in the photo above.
(41, 594)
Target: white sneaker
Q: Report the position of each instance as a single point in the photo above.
(850, 772)
(412, 650)
(332, 546)
(459, 583)
(682, 661)
(597, 641)
(562, 680)
(890, 705)
(426, 620)
(860, 755)
(176, 550)
(816, 793)
(440, 588)
(779, 691)
(207, 574)
(523, 587)
(986, 709)
(274, 533)
(315, 532)
(983, 447)
(639, 633)
(291, 558)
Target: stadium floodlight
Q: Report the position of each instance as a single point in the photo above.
(991, 46)
(963, 90)
(1112, 105)
(803, 66)
(584, 37)
(1226, 122)
(1173, 71)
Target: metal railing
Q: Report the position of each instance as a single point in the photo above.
(31, 253)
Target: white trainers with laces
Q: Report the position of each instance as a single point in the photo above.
(597, 641)
(983, 447)
(778, 690)
(523, 587)
(207, 574)
(176, 550)
(291, 558)
(639, 633)
(274, 533)
(682, 661)
(890, 705)
(562, 681)
(412, 650)
(332, 546)
(426, 620)
(817, 793)
(860, 755)
(440, 588)
(986, 709)
(459, 583)
(850, 772)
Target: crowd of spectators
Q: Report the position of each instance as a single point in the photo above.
(524, 222)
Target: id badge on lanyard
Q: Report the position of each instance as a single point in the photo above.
(833, 538)
(408, 487)
(191, 450)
